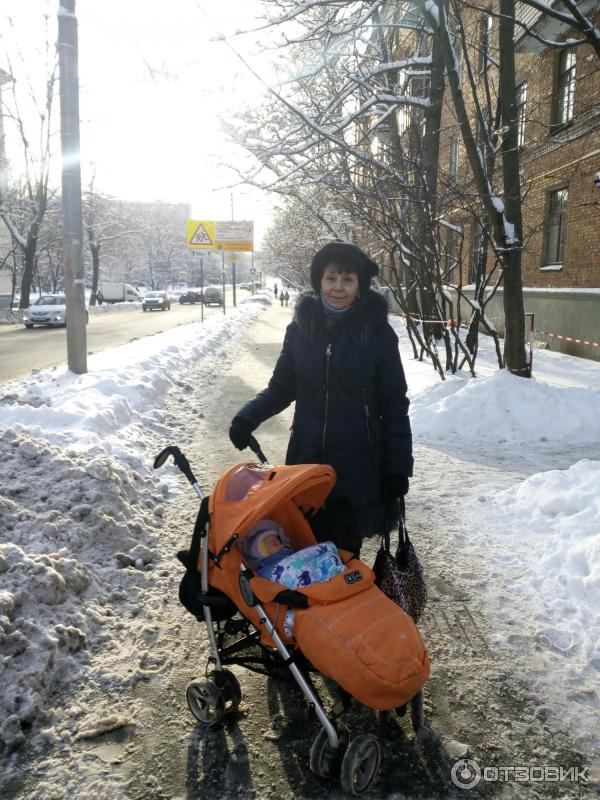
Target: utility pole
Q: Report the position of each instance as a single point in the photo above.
(71, 187)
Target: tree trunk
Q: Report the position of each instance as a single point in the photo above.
(514, 314)
(28, 268)
(428, 209)
(95, 251)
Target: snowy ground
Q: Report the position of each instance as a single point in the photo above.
(81, 510)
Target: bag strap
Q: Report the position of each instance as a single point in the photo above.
(403, 538)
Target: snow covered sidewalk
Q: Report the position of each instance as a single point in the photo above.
(82, 586)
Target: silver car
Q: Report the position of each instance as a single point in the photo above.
(156, 300)
(49, 309)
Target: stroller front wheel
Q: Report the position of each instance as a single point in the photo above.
(232, 691)
(325, 761)
(206, 701)
(360, 764)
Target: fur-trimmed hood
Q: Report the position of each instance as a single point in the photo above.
(368, 313)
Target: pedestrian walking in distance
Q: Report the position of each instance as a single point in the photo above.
(340, 364)
(286, 297)
(275, 291)
(99, 298)
(281, 298)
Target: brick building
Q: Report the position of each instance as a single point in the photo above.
(558, 101)
(558, 96)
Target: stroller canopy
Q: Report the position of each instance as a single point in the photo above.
(249, 492)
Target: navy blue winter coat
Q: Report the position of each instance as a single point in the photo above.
(351, 406)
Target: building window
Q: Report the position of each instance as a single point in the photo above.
(453, 163)
(556, 224)
(452, 238)
(485, 35)
(521, 112)
(477, 245)
(565, 96)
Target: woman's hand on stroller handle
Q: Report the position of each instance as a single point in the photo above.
(255, 447)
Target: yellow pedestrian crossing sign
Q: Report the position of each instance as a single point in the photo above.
(233, 236)
(201, 233)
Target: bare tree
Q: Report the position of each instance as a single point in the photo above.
(23, 207)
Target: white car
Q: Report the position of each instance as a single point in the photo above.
(49, 309)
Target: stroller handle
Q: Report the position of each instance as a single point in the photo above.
(255, 447)
(180, 460)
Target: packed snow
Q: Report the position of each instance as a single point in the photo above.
(81, 511)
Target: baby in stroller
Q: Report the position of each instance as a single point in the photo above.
(268, 552)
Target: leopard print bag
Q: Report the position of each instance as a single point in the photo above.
(401, 577)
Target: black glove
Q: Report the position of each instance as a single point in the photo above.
(394, 486)
(240, 432)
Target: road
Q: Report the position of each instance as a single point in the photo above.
(22, 349)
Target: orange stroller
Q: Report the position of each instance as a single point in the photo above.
(341, 627)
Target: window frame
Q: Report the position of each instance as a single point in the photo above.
(565, 79)
(521, 107)
(451, 253)
(453, 158)
(486, 26)
(561, 240)
(477, 229)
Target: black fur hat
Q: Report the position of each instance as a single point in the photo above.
(346, 254)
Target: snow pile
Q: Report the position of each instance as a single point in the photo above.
(80, 517)
(506, 410)
(546, 553)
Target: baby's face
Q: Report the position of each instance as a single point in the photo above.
(270, 543)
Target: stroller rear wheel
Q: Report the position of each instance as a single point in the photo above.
(205, 700)
(325, 760)
(360, 764)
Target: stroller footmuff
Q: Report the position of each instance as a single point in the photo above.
(343, 627)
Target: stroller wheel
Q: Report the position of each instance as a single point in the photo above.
(360, 764)
(232, 690)
(416, 711)
(325, 760)
(205, 700)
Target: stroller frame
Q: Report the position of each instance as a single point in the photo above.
(214, 658)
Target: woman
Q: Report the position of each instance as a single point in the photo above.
(340, 364)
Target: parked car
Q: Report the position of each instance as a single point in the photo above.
(49, 309)
(191, 296)
(213, 295)
(156, 300)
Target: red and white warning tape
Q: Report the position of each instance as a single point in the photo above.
(568, 338)
(450, 323)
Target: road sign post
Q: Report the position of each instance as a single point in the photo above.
(223, 271)
(232, 236)
(202, 290)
